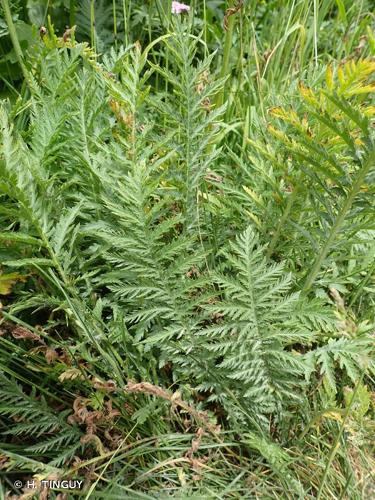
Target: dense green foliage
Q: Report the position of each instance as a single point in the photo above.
(187, 249)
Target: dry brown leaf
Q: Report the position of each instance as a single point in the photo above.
(51, 355)
(4, 460)
(174, 399)
(19, 332)
(92, 438)
(195, 444)
(230, 12)
(109, 386)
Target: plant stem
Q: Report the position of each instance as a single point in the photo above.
(205, 23)
(226, 57)
(316, 32)
(126, 8)
(339, 220)
(363, 283)
(72, 13)
(335, 444)
(114, 22)
(282, 221)
(92, 25)
(14, 38)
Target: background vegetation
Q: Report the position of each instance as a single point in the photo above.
(187, 248)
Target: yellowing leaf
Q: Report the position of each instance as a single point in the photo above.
(71, 374)
(254, 218)
(280, 135)
(287, 115)
(308, 95)
(360, 89)
(340, 74)
(329, 78)
(353, 76)
(8, 280)
(333, 415)
(278, 112)
(369, 111)
(253, 195)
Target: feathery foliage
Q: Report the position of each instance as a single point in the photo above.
(186, 249)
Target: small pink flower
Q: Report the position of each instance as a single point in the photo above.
(179, 8)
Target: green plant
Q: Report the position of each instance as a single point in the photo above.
(259, 322)
(187, 290)
(339, 144)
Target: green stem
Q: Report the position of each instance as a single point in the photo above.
(282, 222)
(362, 284)
(114, 22)
(126, 8)
(92, 25)
(335, 444)
(226, 56)
(339, 220)
(316, 7)
(72, 13)
(14, 38)
(205, 24)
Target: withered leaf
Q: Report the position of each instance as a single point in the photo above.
(71, 374)
(8, 280)
(51, 355)
(109, 386)
(19, 332)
